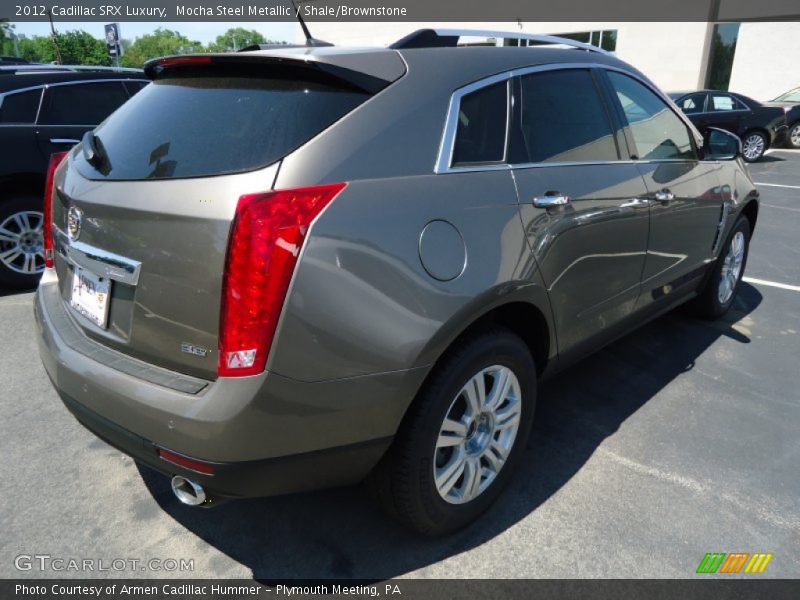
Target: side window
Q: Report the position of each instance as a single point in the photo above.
(724, 103)
(693, 103)
(481, 132)
(81, 104)
(20, 108)
(563, 118)
(657, 132)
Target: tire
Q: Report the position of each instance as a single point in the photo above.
(793, 139)
(754, 144)
(711, 303)
(404, 481)
(21, 244)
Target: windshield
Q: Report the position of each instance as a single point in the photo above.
(200, 126)
(790, 96)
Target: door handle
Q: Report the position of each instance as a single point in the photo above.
(63, 141)
(550, 200)
(664, 196)
(636, 203)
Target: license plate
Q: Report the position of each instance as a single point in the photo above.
(90, 296)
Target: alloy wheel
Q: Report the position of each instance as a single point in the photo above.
(22, 243)
(753, 147)
(794, 136)
(477, 434)
(731, 268)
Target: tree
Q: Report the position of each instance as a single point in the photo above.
(6, 38)
(76, 47)
(161, 42)
(237, 38)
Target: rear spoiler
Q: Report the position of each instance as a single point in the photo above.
(326, 70)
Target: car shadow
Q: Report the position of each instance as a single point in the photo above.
(767, 158)
(15, 292)
(342, 534)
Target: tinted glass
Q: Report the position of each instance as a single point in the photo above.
(197, 126)
(693, 103)
(481, 132)
(657, 131)
(792, 96)
(723, 103)
(134, 86)
(20, 108)
(564, 119)
(81, 104)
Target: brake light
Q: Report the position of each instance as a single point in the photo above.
(47, 224)
(266, 237)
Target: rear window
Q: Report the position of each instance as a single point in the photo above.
(200, 126)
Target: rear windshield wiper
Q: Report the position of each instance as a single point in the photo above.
(94, 153)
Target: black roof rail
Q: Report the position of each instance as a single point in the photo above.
(448, 38)
(43, 68)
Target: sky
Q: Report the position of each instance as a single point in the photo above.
(202, 32)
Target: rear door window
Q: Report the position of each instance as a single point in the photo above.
(658, 133)
(725, 103)
(20, 108)
(81, 104)
(563, 118)
(481, 131)
(200, 126)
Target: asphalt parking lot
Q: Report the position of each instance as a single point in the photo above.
(678, 440)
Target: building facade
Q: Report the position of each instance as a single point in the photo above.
(760, 60)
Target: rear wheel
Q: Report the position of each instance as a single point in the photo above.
(720, 290)
(754, 145)
(794, 136)
(21, 242)
(463, 437)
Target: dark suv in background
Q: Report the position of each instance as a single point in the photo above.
(44, 109)
(758, 125)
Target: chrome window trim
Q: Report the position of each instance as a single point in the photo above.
(443, 163)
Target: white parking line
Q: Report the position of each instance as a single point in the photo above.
(794, 187)
(783, 286)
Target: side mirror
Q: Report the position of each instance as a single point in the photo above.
(719, 144)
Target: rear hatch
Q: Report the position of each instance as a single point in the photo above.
(143, 211)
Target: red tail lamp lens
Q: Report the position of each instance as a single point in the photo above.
(188, 463)
(267, 235)
(47, 225)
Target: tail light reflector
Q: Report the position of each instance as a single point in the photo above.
(187, 463)
(266, 237)
(47, 225)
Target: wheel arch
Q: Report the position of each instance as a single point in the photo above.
(750, 211)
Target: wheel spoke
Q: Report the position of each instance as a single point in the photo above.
(448, 475)
(495, 455)
(476, 394)
(10, 255)
(508, 417)
(502, 383)
(453, 433)
(472, 479)
(8, 236)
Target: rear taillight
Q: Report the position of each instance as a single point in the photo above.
(47, 225)
(266, 238)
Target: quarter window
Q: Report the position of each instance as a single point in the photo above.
(20, 107)
(657, 132)
(481, 131)
(693, 103)
(563, 118)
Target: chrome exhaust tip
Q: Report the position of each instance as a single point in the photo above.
(187, 491)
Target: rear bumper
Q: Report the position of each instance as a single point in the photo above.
(313, 470)
(264, 434)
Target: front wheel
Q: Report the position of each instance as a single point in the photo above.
(719, 292)
(463, 436)
(21, 242)
(794, 136)
(754, 145)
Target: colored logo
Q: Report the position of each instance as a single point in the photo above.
(735, 562)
